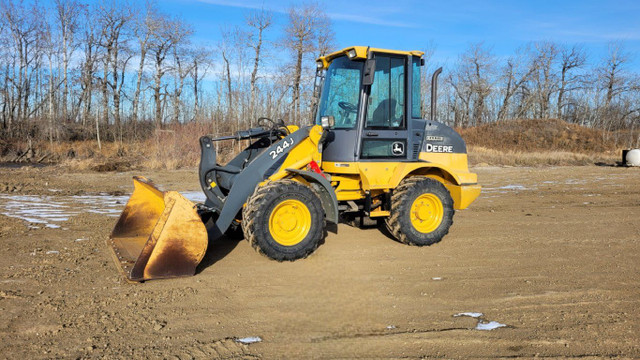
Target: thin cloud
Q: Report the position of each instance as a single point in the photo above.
(369, 20)
(603, 35)
(257, 5)
(576, 32)
(244, 5)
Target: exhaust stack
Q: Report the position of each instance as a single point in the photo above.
(434, 93)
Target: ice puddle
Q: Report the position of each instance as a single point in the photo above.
(489, 325)
(506, 188)
(249, 340)
(51, 211)
(482, 325)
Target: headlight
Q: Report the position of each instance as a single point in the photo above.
(319, 65)
(351, 53)
(327, 122)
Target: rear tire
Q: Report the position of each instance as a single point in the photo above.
(284, 220)
(421, 211)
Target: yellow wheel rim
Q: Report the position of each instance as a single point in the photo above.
(426, 213)
(290, 222)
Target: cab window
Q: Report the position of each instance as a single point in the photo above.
(341, 93)
(385, 107)
(416, 98)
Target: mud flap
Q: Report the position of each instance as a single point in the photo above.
(159, 234)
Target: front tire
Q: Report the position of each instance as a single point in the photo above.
(284, 220)
(421, 211)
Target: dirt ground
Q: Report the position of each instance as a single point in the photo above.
(552, 253)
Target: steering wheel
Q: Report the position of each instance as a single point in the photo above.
(348, 107)
(275, 126)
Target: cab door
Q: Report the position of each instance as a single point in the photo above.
(341, 94)
(384, 132)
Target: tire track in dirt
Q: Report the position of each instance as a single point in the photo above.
(383, 334)
(227, 348)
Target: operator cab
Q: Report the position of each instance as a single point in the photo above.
(372, 97)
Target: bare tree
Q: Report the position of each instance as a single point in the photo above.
(461, 104)
(182, 67)
(167, 34)
(515, 74)
(571, 59)
(305, 36)
(143, 29)
(612, 74)
(545, 79)
(225, 47)
(90, 42)
(115, 20)
(67, 16)
(425, 80)
(51, 53)
(473, 82)
(259, 22)
(200, 67)
(615, 81)
(24, 25)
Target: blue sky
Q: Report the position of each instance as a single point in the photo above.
(447, 26)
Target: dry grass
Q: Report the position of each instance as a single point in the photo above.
(540, 143)
(166, 150)
(538, 135)
(172, 148)
(515, 143)
(480, 156)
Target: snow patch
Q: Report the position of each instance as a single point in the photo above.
(482, 324)
(48, 211)
(489, 325)
(195, 196)
(249, 340)
(469, 314)
(506, 188)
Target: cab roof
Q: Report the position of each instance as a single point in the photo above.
(361, 53)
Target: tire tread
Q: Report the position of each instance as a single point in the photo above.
(400, 199)
(255, 210)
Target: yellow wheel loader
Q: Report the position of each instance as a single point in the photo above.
(369, 153)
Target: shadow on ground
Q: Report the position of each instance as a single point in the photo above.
(216, 251)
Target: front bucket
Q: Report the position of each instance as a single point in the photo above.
(159, 234)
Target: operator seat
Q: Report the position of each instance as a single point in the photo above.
(380, 116)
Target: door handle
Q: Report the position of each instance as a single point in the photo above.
(372, 134)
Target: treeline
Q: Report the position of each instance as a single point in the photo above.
(543, 80)
(120, 70)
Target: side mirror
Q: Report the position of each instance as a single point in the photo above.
(369, 70)
(327, 122)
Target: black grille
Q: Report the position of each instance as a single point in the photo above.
(416, 151)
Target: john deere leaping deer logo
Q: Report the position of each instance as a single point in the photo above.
(397, 148)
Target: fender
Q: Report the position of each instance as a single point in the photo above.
(324, 190)
(459, 174)
(463, 186)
